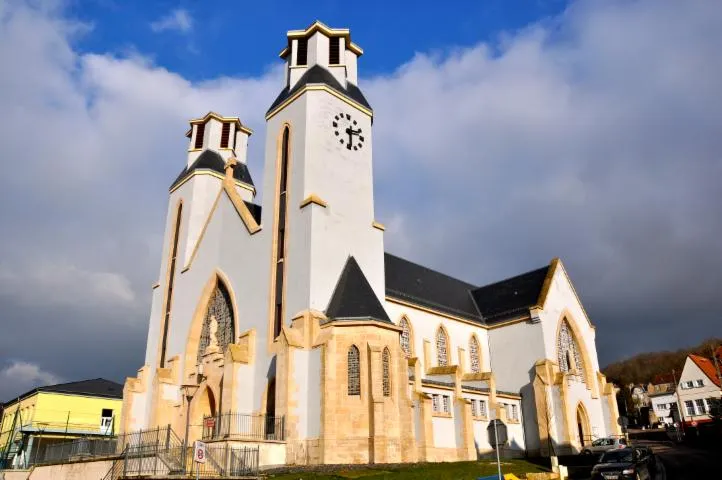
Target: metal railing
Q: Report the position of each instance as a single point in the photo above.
(244, 426)
(139, 442)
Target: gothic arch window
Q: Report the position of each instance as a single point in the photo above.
(474, 358)
(171, 279)
(386, 372)
(281, 224)
(442, 344)
(354, 371)
(222, 333)
(568, 354)
(405, 336)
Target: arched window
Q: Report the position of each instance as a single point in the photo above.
(354, 371)
(405, 336)
(474, 360)
(386, 372)
(568, 353)
(281, 234)
(219, 308)
(442, 357)
(171, 278)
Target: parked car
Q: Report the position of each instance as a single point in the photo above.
(626, 464)
(602, 445)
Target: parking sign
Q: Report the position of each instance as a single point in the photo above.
(199, 452)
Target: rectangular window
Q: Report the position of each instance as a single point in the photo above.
(446, 403)
(434, 402)
(473, 407)
(302, 51)
(701, 408)
(514, 413)
(699, 383)
(200, 131)
(690, 384)
(689, 406)
(482, 408)
(106, 412)
(225, 134)
(334, 51)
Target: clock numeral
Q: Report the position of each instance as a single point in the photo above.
(361, 138)
(335, 124)
(348, 117)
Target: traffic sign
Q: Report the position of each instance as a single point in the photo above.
(199, 452)
(498, 437)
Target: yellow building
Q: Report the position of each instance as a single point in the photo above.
(56, 413)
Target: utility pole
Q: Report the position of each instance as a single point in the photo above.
(679, 405)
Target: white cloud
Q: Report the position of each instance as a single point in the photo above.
(178, 20)
(19, 377)
(593, 136)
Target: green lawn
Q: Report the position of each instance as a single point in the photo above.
(440, 471)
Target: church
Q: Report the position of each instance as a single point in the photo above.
(286, 325)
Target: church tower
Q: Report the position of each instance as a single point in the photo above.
(318, 185)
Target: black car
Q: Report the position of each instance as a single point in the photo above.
(626, 464)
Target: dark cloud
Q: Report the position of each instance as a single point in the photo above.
(593, 136)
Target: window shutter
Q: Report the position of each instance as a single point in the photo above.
(302, 51)
(334, 51)
(200, 131)
(225, 134)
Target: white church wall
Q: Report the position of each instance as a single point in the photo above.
(425, 325)
(351, 66)
(579, 393)
(343, 179)
(199, 194)
(444, 432)
(307, 376)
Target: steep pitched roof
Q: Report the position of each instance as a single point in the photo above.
(210, 160)
(510, 296)
(319, 75)
(488, 304)
(353, 297)
(706, 365)
(406, 280)
(98, 387)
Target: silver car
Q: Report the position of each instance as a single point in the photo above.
(602, 445)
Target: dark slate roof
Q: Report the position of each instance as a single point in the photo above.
(255, 211)
(353, 297)
(489, 304)
(319, 75)
(98, 387)
(510, 296)
(210, 160)
(408, 281)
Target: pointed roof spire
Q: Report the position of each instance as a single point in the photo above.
(353, 297)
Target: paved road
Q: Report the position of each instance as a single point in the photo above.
(685, 463)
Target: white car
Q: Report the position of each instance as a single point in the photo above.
(602, 445)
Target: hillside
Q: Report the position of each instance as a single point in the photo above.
(644, 367)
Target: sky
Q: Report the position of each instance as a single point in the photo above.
(527, 130)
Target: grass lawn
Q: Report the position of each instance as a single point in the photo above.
(441, 471)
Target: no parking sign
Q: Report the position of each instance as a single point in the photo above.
(199, 452)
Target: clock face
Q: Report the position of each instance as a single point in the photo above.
(347, 131)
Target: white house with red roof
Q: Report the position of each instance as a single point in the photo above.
(698, 385)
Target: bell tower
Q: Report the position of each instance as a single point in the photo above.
(318, 185)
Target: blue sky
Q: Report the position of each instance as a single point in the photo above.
(235, 38)
(526, 130)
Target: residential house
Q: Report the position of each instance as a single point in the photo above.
(698, 385)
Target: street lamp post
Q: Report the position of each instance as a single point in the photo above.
(189, 390)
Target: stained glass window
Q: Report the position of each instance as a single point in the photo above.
(405, 337)
(219, 307)
(474, 355)
(354, 371)
(569, 356)
(441, 354)
(386, 367)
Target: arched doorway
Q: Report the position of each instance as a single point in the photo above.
(583, 428)
(203, 405)
(270, 424)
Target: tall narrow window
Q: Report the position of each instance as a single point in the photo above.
(171, 278)
(386, 372)
(302, 51)
(334, 51)
(281, 234)
(474, 354)
(442, 358)
(354, 371)
(405, 336)
(200, 131)
(225, 134)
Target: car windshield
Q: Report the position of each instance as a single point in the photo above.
(619, 456)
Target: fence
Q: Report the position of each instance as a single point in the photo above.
(243, 426)
(141, 441)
